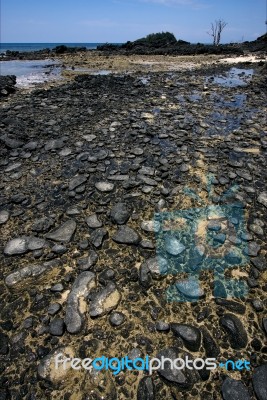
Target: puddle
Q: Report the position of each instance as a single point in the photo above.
(235, 77)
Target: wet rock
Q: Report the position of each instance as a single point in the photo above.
(116, 318)
(264, 324)
(211, 348)
(150, 226)
(258, 305)
(56, 327)
(105, 300)
(126, 235)
(97, 237)
(262, 199)
(231, 305)
(93, 222)
(173, 246)
(4, 216)
(182, 378)
(190, 335)
(64, 233)
(104, 186)
(235, 331)
(252, 249)
(120, 214)
(260, 382)
(146, 389)
(234, 390)
(86, 263)
(77, 181)
(190, 288)
(76, 304)
(260, 263)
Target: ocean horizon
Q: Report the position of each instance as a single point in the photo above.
(41, 46)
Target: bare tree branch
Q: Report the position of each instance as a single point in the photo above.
(216, 31)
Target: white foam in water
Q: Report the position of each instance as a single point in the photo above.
(29, 73)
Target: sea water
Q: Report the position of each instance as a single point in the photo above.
(29, 72)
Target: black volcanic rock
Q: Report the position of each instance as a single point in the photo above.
(7, 85)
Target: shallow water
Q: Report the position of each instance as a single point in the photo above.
(30, 72)
(235, 77)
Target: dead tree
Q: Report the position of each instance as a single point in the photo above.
(216, 31)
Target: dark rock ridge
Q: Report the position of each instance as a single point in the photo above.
(166, 43)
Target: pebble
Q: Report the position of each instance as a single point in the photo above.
(105, 300)
(104, 186)
(120, 214)
(234, 390)
(260, 382)
(64, 233)
(126, 235)
(190, 335)
(75, 308)
(235, 331)
(4, 216)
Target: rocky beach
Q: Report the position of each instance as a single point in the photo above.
(101, 176)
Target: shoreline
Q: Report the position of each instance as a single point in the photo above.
(86, 165)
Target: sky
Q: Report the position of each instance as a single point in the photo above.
(116, 21)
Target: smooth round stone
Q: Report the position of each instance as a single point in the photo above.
(150, 226)
(4, 216)
(190, 288)
(260, 382)
(173, 246)
(56, 327)
(116, 318)
(57, 288)
(16, 246)
(59, 249)
(234, 390)
(162, 326)
(120, 214)
(93, 222)
(104, 186)
(53, 308)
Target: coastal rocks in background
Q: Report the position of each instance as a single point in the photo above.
(7, 85)
(76, 303)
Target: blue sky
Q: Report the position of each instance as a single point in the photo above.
(44, 21)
